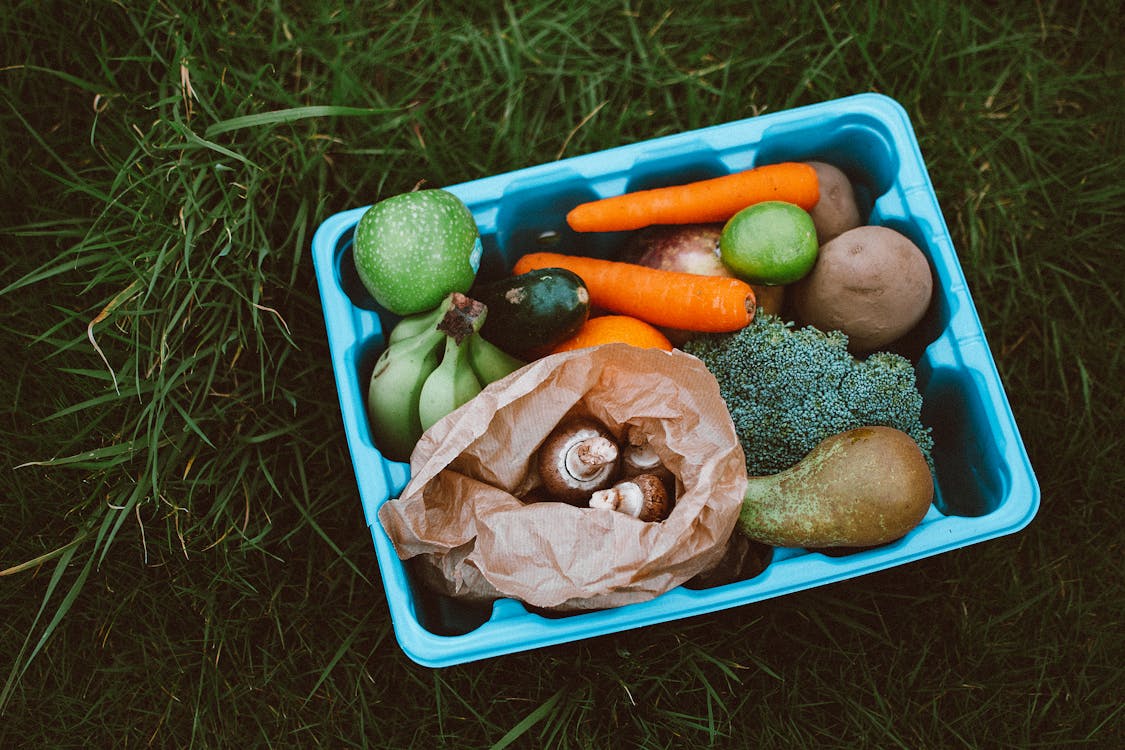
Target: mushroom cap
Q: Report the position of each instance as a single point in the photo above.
(643, 497)
(639, 457)
(656, 504)
(563, 452)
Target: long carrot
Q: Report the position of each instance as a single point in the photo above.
(670, 299)
(713, 200)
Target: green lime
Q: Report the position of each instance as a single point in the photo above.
(412, 250)
(773, 242)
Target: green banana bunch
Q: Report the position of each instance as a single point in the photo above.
(434, 362)
(488, 361)
(453, 383)
(394, 388)
(422, 322)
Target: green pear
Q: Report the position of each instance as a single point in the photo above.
(862, 487)
(412, 250)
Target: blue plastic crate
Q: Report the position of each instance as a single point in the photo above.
(985, 484)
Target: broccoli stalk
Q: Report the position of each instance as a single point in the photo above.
(789, 388)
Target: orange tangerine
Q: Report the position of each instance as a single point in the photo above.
(606, 329)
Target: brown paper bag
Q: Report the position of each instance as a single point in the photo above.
(466, 532)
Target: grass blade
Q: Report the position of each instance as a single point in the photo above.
(293, 114)
(520, 729)
(195, 140)
(25, 657)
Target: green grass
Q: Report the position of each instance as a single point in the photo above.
(183, 560)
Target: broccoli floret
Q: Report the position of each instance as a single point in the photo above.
(789, 388)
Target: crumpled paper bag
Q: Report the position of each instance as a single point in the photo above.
(467, 534)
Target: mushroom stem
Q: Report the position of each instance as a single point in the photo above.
(588, 457)
(643, 497)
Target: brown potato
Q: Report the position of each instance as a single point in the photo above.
(872, 282)
(836, 211)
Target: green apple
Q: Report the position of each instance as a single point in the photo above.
(412, 250)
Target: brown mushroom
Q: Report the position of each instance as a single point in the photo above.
(580, 456)
(639, 457)
(644, 497)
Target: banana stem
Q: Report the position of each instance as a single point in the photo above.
(464, 317)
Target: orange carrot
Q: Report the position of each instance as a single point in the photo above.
(671, 299)
(713, 200)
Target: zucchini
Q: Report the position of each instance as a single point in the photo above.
(530, 313)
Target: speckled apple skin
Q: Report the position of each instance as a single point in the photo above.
(413, 249)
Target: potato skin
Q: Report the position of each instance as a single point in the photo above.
(872, 282)
(837, 210)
